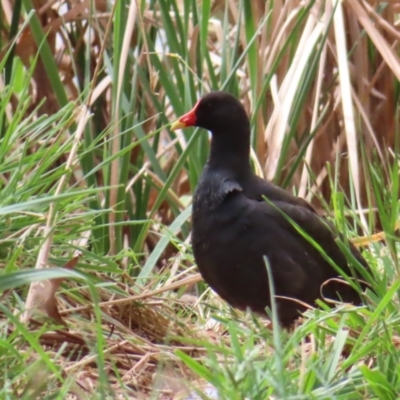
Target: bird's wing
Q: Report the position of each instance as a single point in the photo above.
(302, 219)
(260, 188)
(303, 213)
(297, 219)
(286, 241)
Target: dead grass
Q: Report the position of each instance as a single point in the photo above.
(141, 334)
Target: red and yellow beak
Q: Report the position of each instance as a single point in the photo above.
(189, 119)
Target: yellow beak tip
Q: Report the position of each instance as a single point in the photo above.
(177, 125)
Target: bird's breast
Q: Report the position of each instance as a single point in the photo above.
(218, 224)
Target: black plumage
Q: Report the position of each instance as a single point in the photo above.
(234, 227)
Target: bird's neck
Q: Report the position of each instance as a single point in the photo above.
(230, 152)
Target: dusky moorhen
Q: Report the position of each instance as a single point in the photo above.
(234, 227)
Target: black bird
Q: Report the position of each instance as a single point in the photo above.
(234, 227)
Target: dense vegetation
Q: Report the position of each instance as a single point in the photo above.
(92, 179)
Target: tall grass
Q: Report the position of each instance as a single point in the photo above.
(88, 163)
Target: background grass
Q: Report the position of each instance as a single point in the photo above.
(89, 169)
